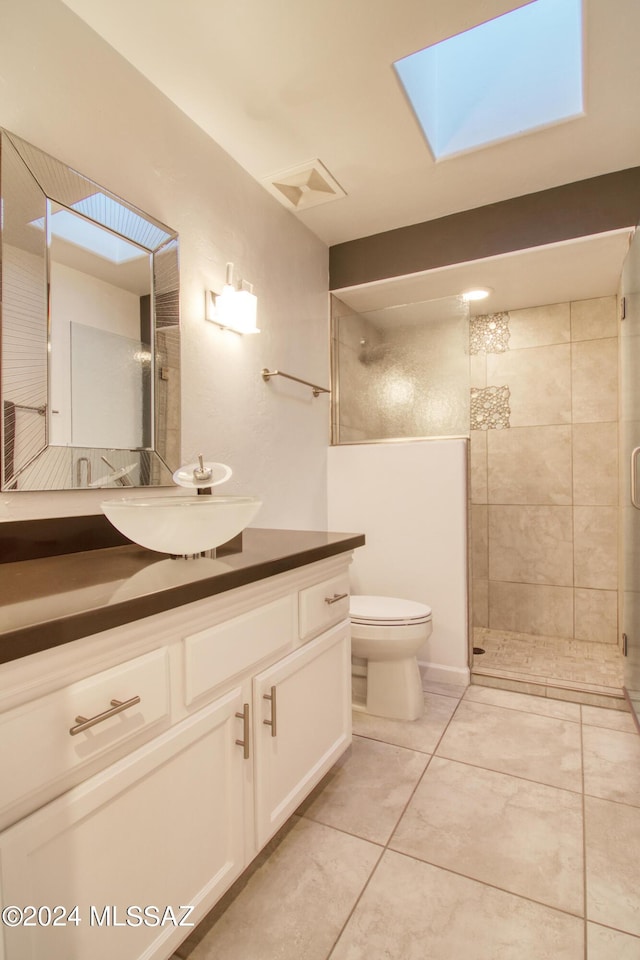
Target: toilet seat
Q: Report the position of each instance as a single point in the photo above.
(387, 611)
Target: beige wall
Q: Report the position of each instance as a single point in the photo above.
(68, 92)
(544, 476)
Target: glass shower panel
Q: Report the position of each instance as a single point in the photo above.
(630, 469)
(401, 371)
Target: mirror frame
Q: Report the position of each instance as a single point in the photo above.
(48, 467)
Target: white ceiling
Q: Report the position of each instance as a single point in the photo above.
(277, 84)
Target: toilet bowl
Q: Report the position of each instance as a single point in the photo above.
(386, 634)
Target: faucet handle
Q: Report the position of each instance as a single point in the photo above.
(202, 473)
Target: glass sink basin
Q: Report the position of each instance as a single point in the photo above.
(181, 525)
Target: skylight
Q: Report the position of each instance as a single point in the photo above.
(517, 73)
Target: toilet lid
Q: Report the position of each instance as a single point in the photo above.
(387, 610)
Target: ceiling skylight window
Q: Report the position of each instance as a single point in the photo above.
(511, 75)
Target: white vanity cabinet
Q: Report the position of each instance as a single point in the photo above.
(302, 724)
(163, 827)
(255, 710)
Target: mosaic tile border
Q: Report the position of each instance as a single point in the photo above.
(489, 333)
(490, 409)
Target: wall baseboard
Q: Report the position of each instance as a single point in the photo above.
(440, 673)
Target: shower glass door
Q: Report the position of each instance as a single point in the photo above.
(630, 470)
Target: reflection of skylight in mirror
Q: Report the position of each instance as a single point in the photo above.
(505, 77)
(106, 211)
(90, 236)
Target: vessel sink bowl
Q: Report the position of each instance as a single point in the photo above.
(181, 525)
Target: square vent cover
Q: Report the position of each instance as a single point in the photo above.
(306, 185)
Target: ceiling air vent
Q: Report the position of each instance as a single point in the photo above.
(304, 186)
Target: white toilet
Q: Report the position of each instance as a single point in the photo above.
(386, 634)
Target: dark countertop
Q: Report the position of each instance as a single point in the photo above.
(52, 600)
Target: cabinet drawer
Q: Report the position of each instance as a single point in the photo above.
(323, 605)
(221, 652)
(37, 750)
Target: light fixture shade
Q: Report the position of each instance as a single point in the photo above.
(235, 310)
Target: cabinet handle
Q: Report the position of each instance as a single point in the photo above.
(634, 478)
(271, 723)
(117, 706)
(336, 597)
(244, 716)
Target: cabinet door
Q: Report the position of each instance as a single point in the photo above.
(160, 828)
(308, 696)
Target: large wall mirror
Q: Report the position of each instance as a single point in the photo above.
(90, 364)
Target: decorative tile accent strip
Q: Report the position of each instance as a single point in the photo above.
(490, 408)
(489, 333)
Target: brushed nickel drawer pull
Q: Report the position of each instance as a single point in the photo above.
(117, 706)
(634, 478)
(271, 723)
(336, 597)
(244, 716)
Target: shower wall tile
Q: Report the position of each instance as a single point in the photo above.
(596, 547)
(478, 466)
(480, 617)
(531, 544)
(540, 326)
(530, 465)
(539, 379)
(531, 608)
(489, 333)
(490, 408)
(595, 464)
(479, 541)
(478, 370)
(594, 319)
(596, 615)
(594, 377)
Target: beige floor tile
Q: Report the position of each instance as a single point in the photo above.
(422, 734)
(519, 701)
(612, 833)
(367, 790)
(523, 837)
(414, 911)
(521, 744)
(613, 719)
(612, 764)
(456, 690)
(605, 944)
(294, 906)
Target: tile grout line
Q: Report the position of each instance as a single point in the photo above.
(386, 845)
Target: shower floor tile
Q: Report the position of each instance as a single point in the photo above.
(549, 662)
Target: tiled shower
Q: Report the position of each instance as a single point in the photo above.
(536, 390)
(544, 475)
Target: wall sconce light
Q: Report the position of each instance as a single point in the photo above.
(235, 308)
